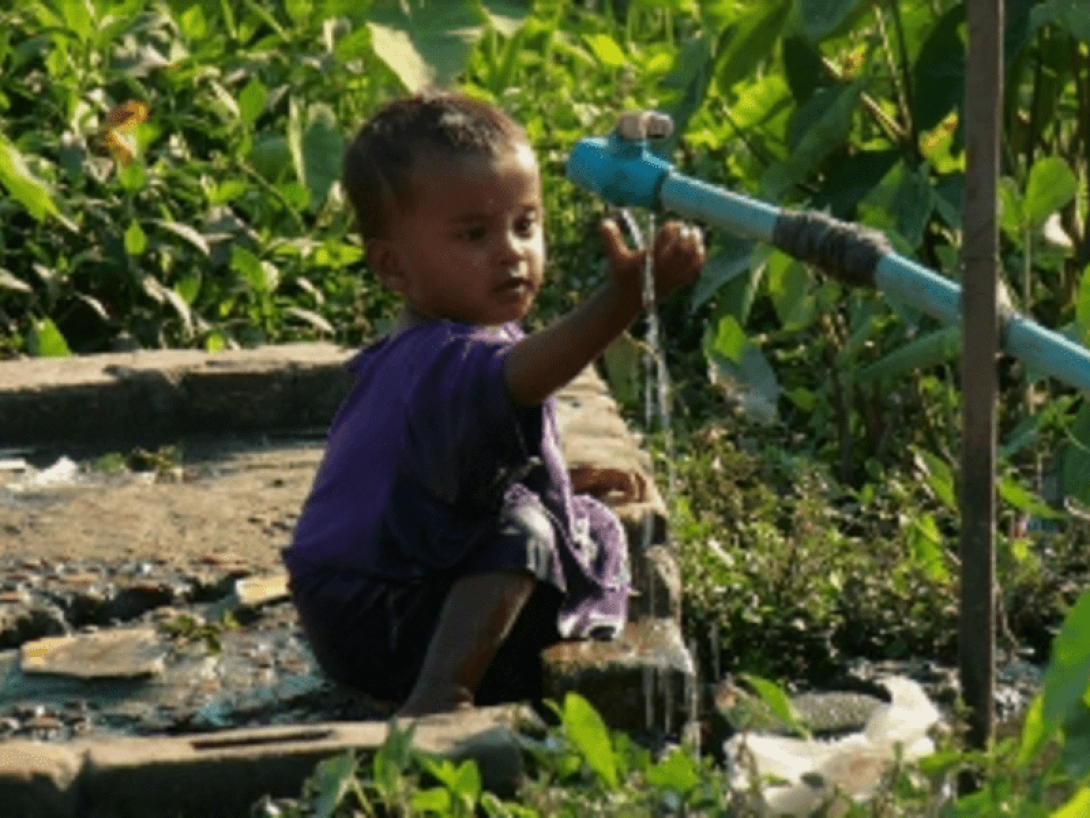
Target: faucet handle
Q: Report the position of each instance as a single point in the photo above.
(641, 125)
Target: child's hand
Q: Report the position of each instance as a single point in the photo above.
(678, 257)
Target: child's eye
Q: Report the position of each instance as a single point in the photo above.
(473, 233)
(526, 225)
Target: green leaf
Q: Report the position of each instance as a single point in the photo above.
(820, 18)
(587, 732)
(939, 72)
(826, 134)
(184, 231)
(426, 42)
(777, 700)
(925, 546)
(677, 772)
(1022, 499)
(25, 187)
(939, 477)
(295, 139)
(1078, 806)
(924, 352)
(249, 267)
(849, 181)
(1066, 15)
(1035, 732)
(1051, 185)
(322, 149)
(802, 67)
(1076, 751)
(133, 177)
(193, 23)
(729, 263)
(311, 318)
(789, 288)
(746, 44)
(436, 799)
(905, 195)
(46, 341)
(1082, 306)
(11, 282)
(333, 778)
(1011, 217)
(251, 100)
(1067, 678)
(730, 339)
(136, 241)
(622, 359)
(271, 155)
(751, 382)
(507, 16)
(1075, 458)
(189, 286)
(77, 18)
(606, 50)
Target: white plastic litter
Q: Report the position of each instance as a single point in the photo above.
(813, 771)
(65, 472)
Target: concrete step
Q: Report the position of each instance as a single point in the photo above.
(221, 775)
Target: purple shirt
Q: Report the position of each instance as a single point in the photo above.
(423, 454)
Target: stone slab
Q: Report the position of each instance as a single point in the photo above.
(38, 780)
(221, 775)
(115, 653)
(642, 681)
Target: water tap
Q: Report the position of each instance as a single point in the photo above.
(621, 168)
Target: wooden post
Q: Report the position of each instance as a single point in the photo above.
(983, 104)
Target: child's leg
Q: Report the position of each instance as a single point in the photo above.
(475, 619)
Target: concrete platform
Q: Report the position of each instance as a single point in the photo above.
(148, 395)
(221, 775)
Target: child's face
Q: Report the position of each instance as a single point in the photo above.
(469, 246)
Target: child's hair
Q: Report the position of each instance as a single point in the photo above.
(379, 161)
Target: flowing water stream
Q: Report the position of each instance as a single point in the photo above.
(657, 686)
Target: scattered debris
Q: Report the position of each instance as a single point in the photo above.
(254, 591)
(816, 772)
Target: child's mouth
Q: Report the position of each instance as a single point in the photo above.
(517, 285)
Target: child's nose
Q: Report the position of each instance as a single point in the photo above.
(512, 245)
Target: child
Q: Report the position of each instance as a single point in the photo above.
(441, 547)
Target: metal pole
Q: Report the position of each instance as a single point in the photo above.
(983, 103)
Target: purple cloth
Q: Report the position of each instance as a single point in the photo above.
(428, 455)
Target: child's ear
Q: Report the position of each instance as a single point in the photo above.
(384, 260)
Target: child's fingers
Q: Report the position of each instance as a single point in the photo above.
(679, 243)
(617, 250)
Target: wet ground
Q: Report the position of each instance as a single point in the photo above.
(97, 540)
(160, 540)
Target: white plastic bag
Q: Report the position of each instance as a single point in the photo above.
(812, 771)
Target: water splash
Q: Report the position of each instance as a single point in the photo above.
(657, 376)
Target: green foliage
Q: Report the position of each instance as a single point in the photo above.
(1044, 771)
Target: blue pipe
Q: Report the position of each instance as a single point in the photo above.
(627, 174)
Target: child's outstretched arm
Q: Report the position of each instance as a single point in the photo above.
(545, 361)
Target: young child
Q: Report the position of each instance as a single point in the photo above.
(441, 546)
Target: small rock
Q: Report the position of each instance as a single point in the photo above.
(107, 654)
(43, 721)
(254, 591)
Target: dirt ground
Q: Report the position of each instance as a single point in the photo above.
(229, 502)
